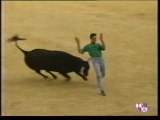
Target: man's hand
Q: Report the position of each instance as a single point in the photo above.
(78, 44)
(101, 36)
(101, 39)
(77, 40)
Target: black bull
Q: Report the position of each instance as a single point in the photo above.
(57, 61)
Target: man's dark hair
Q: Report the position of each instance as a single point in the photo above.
(92, 35)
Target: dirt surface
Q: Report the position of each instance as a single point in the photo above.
(130, 32)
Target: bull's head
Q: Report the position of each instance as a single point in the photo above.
(84, 69)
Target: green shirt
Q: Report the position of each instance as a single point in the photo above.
(94, 50)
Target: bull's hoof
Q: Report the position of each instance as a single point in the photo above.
(85, 78)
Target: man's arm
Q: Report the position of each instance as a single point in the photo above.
(78, 45)
(101, 39)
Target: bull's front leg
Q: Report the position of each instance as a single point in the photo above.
(38, 71)
(65, 75)
(54, 76)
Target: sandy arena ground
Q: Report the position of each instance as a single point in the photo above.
(130, 32)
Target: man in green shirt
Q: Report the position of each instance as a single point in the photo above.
(94, 49)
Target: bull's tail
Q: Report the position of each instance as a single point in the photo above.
(15, 39)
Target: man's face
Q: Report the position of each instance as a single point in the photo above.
(93, 39)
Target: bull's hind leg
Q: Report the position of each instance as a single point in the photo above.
(38, 71)
(65, 75)
(54, 76)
